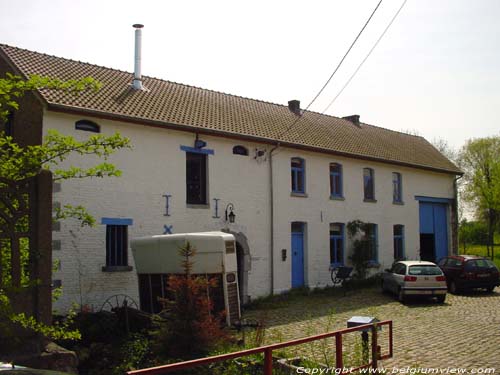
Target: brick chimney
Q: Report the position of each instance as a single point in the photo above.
(294, 107)
(354, 119)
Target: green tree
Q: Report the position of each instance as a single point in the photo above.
(480, 160)
(18, 163)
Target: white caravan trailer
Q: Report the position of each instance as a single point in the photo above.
(157, 257)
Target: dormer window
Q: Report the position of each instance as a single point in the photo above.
(88, 126)
(240, 150)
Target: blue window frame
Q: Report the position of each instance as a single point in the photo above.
(399, 241)
(337, 244)
(397, 189)
(336, 180)
(371, 236)
(368, 184)
(298, 175)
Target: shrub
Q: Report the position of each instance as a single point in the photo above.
(361, 248)
(191, 325)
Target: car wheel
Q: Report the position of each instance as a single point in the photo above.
(453, 288)
(401, 296)
(490, 289)
(441, 298)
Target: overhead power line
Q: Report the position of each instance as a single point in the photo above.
(335, 71)
(366, 57)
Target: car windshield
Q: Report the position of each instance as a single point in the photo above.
(424, 270)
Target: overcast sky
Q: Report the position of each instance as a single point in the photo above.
(436, 72)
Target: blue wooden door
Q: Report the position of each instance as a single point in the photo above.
(298, 258)
(440, 231)
(433, 228)
(426, 218)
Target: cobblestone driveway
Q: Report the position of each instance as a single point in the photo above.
(463, 332)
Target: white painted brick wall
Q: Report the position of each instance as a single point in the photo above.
(156, 166)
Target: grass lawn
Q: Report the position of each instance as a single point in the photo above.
(481, 250)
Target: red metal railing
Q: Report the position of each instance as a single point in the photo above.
(268, 351)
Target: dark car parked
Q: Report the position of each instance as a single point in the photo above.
(465, 272)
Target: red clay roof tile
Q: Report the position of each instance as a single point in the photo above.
(168, 103)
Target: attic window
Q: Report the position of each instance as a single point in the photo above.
(240, 150)
(88, 126)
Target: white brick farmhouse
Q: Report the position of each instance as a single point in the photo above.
(196, 151)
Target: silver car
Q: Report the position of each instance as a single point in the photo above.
(415, 278)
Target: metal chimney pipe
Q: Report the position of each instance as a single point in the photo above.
(137, 62)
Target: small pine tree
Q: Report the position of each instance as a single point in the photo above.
(192, 327)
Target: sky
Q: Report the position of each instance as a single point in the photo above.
(436, 72)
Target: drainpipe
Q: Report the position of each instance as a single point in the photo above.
(272, 212)
(455, 208)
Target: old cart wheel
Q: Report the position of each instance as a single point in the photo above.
(115, 313)
(117, 301)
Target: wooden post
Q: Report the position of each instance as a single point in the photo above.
(268, 361)
(339, 361)
(374, 346)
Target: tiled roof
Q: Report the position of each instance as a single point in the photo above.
(170, 104)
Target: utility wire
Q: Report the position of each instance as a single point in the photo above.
(366, 57)
(331, 76)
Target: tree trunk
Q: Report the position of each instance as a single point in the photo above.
(495, 217)
(491, 232)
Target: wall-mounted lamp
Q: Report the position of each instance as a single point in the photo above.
(283, 255)
(199, 143)
(231, 216)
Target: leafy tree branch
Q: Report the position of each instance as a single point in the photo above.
(18, 163)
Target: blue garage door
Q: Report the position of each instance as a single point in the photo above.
(433, 231)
